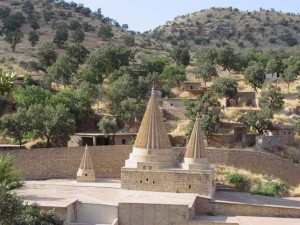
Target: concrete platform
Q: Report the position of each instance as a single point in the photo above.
(104, 191)
(244, 220)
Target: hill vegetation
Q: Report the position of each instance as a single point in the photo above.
(263, 29)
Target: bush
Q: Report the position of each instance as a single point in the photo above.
(237, 179)
(270, 188)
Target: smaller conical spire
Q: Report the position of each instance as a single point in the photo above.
(86, 162)
(196, 148)
(86, 172)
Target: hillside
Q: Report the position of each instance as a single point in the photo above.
(48, 16)
(262, 29)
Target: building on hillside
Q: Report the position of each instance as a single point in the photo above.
(279, 135)
(272, 76)
(96, 139)
(241, 99)
(173, 109)
(152, 165)
(195, 88)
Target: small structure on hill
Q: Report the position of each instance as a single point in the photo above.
(86, 172)
(241, 99)
(272, 76)
(96, 139)
(279, 135)
(152, 165)
(195, 88)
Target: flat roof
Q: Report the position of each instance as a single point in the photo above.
(62, 192)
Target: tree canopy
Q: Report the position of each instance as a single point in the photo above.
(225, 87)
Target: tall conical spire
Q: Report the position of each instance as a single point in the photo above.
(196, 148)
(86, 172)
(152, 133)
(86, 162)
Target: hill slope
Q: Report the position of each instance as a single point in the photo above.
(263, 29)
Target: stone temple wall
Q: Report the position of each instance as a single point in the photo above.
(108, 161)
(168, 181)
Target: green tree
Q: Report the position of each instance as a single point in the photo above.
(202, 107)
(131, 109)
(254, 75)
(32, 215)
(15, 125)
(174, 73)
(10, 177)
(129, 39)
(78, 52)
(155, 64)
(52, 123)
(74, 25)
(34, 24)
(206, 71)
(61, 36)
(259, 120)
(14, 38)
(93, 90)
(27, 7)
(226, 57)
(47, 14)
(181, 55)
(124, 87)
(31, 95)
(120, 72)
(78, 36)
(46, 55)
(33, 38)
(78, 102)
(105, 32)
(206, 55)
(63, 69)
(225, 87)
(290, 75)
(108, 126)
(271, 98)
(274, 65)
(6, 82)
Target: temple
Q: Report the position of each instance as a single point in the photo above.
(152, 165)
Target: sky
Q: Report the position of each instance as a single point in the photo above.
(143, 15)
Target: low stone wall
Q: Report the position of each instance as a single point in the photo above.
(174, 114)
(48, 163)
(254, 161)
(206, 206)
(108, 160)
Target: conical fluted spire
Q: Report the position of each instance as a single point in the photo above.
(196, 148)
(86, 162)
(152, 133)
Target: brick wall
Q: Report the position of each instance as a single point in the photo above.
(108, 160)
(256, 162)
(64, 162)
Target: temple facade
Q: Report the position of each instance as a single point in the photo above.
(152, 165)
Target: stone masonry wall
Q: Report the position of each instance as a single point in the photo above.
(108, 160)
(64, 162)
(254, 161)
(206, 206)
(167, 181)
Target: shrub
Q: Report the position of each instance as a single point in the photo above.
(270, 188)
(237, 179)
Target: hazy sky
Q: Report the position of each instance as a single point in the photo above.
(142, 15)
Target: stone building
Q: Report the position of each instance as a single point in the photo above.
(241, 99)
(279, 135)
(195, 88)
(152, 165)
(97, 139)
(86, 172)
